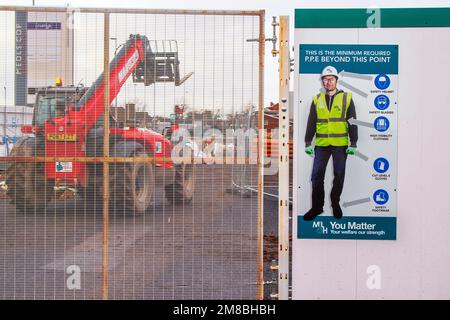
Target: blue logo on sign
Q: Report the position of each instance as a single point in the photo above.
(381, 165)
(382, 81)
(381, 124)
(381, 102)
(380, 196)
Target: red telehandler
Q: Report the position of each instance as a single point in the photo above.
(68, 122)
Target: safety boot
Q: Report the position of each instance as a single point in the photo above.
(312, 213)
(337, 211)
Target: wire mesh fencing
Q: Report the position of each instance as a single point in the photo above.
(123, 132)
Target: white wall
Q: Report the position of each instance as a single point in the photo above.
(7, 57)
(417, 264)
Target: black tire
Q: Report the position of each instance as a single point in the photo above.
(28, 189)
(92, 194)
(183, 188)
(131, 185)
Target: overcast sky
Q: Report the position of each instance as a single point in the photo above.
(272, 8)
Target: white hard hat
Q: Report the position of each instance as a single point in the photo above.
(329, 71)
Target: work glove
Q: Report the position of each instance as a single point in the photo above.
(350, 150)
(309, 150)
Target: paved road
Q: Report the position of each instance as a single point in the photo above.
(204, 250)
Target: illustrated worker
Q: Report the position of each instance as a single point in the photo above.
(335, 136)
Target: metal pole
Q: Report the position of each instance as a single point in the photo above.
(260, 280)
(115, 52)
(105, 258)
(5, 141)
(283, 173)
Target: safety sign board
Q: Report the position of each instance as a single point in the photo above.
(63, 166)
(364, 184)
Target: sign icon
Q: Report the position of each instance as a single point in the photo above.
(381, 102)
(158, 147)
(63, 167)
(381, 165)
(382, 81)
(380, 196)
(381, 124)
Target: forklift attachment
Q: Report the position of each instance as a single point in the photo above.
(161, 63)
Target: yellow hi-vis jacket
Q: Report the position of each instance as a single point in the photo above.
(331, 126)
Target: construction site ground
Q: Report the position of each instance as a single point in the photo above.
(203, 250)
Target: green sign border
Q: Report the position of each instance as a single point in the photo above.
(357, 18)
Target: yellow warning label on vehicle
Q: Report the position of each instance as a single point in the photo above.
(71, 137)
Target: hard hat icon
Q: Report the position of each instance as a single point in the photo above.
(382, 81)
